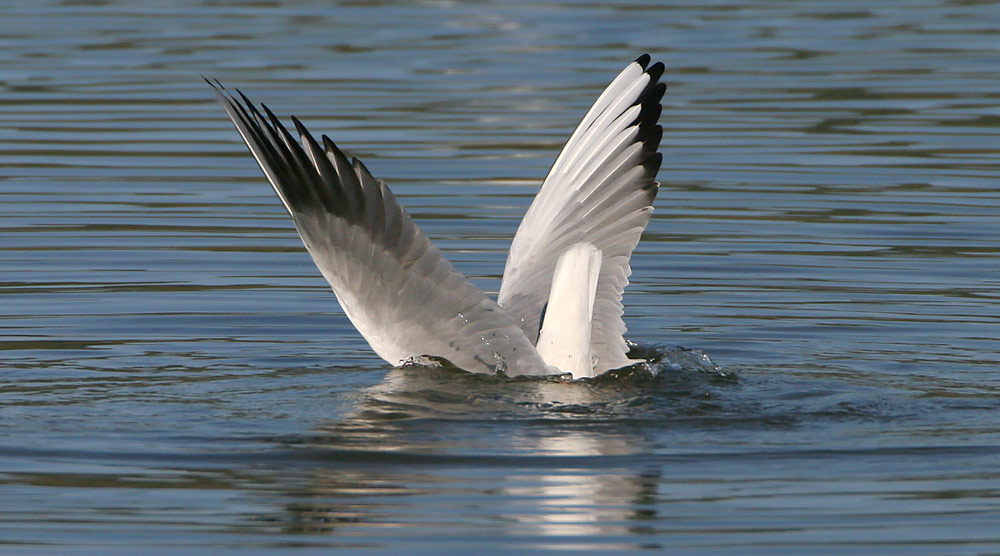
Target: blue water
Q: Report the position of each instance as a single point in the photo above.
(175, 375)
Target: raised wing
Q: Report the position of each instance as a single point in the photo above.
(397, 288)
(600, 191)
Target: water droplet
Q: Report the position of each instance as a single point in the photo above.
(501, 366)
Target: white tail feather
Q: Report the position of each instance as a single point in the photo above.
(564, 340)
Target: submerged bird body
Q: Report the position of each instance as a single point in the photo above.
(559, 308)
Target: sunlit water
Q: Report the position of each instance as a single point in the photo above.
(175, 374)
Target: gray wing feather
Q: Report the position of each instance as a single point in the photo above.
(600, 190)
(397, 288)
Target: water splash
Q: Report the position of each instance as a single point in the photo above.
(659, 359)
(501, 366)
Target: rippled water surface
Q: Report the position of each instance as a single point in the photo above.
(176, 375)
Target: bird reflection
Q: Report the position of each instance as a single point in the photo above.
(434, 448)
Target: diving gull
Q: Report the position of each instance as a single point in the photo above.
(560, 304)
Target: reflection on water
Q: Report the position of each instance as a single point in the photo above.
(619, 463)
(175, 374)
(554, 478)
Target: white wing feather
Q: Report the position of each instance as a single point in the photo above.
(397, 288)
(600, 191)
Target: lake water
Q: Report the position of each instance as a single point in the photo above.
(175, 375)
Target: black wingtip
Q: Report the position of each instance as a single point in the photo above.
(649, 113)
(332, 147)
(652, 163)
(650, 103)
(301, 129)
(655, 72)
(213, 82)
(274, 119)
(643, 60)
(650, 136)
(652, 95)
(216, 86)
(245, 100)
(266, 110)
(356, 162)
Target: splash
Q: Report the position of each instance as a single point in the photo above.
(659, 359)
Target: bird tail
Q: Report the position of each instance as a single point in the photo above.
(564, 340)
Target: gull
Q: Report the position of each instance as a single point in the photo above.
(559, 309)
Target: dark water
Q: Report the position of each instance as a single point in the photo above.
(175, 374)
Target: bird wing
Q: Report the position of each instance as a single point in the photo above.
(599, 191)
(395, 286)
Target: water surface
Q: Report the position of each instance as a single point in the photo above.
(175, 374)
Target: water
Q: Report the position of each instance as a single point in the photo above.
(175, 374)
